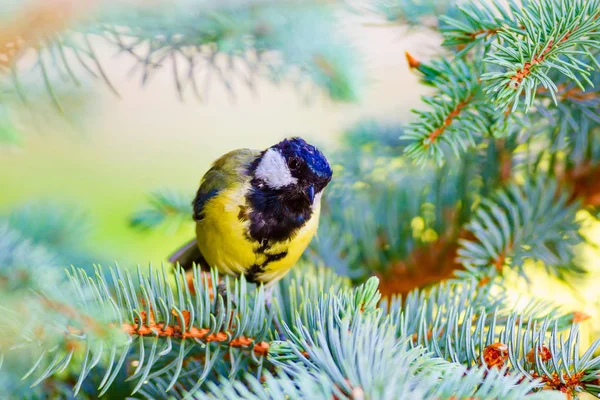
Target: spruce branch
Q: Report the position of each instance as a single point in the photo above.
(463, 323)
(478, 24)
(556, 35)
(572, 124)
(494, 383)
(454, 103)
(282, 386)
(457, 320)
(176, 338)
(456, 383)
(525, 44)
(50, 224)
(460, 115)
(352, 338)
(349, 338)
(153, 318)
(543, 353)
(41, 333)
(340, 342)
(306, 281)
(535, 221)
(415, 314)
(35, 242)
(541, 54)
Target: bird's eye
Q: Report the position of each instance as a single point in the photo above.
(293, 163)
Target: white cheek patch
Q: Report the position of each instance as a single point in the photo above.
(274, 170)
(317, 202)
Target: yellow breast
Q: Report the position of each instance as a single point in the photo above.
(224, 242)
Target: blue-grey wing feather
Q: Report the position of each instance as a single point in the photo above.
(228, 170)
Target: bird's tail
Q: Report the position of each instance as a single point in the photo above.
(188, 255)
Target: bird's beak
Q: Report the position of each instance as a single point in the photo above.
(310, 193)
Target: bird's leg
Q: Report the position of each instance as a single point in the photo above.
(268, 302)
(221, 290)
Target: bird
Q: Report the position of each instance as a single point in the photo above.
(256, 211)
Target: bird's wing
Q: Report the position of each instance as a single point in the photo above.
(228, 170)
(188, 255)
(225, 172)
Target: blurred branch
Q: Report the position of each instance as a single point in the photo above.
(583, 181)
(37, 21)
(239, 40)
(417, 13)
(164, 208)
(61, 230)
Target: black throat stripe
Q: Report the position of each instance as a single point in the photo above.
(275, 215)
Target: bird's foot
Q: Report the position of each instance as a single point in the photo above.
(222, 291)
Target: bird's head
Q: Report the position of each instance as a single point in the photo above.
(294, 168)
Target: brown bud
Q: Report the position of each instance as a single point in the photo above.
(579, 317)
(543, 351)
(261, 349)
(495, 355)
(143, 317)
(186, 318)
(412, 62)
(483, 281)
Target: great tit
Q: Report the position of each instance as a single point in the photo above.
(257, 211)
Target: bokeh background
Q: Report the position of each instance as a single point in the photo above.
(109, 152)
(106, 153)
